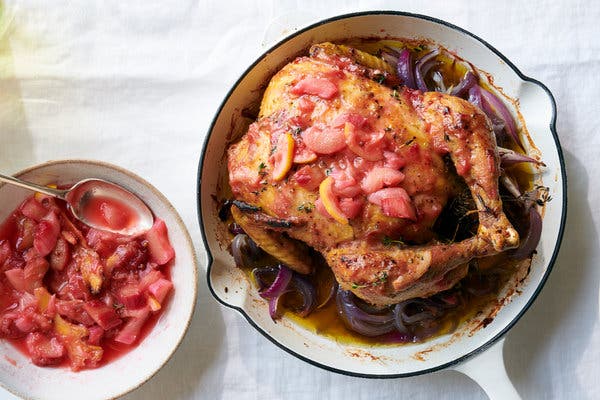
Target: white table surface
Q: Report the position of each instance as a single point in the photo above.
(136, 83)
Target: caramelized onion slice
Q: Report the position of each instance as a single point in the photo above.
(531, 240)
(285, 281)
(360, 321)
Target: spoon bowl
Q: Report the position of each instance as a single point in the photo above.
(100, 204)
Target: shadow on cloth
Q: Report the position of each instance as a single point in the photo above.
(16, 147)
(559, 314)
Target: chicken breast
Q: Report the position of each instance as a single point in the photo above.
(357, 171)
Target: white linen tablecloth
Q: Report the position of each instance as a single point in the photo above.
(136, 83)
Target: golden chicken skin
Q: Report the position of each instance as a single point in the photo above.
(340, 162)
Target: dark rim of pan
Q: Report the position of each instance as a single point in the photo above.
(539, 287)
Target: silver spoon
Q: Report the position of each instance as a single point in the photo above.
(87, 194)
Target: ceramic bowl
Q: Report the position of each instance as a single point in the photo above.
(233, 289)
(128, 372)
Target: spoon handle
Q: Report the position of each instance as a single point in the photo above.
(32, 186)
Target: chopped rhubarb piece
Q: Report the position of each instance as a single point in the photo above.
(322, 87)
(61, 255)
(70, 232)
(324, 140)
(96, 334)
(308, 177)
(149, 278)
(379, 177)
(398, 207)
(74, 310)
(160, 289)
(351, 207)
(131, 296)
(302, 155)
(115, 214)
(102, 242)
(366, 145)
(33, 209)
(5, 251)
(131, 330)
(44, 350)
(395, 202)
(159, 246)
(74, 288)
(106, 317)
(25, 238)
(46, 234)
(129, 255)
(34, 272)
(16, 278)
(90, 266)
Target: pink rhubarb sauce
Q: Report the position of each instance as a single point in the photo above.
(109, 212)
(75, 296)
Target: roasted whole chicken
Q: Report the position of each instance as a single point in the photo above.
(340, 162)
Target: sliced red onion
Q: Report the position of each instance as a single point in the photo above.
(510, 185)
(531, 240)
(422, 66)
(427, 310)
(509, 157)
(259, 273)
(273, 307)
(244, 250)
(500, 109)
(447, 300)
(239, 250)
(235, 229)
(330, 295)
(475, 96)
(279, 285)
(439, 81)
(285, 281)
(308, 292)
(390, 58)
(370, 330)
(357, 320)
(352, 310)
(405, 69)
(399, 321)
(479, 285)
(467, 82)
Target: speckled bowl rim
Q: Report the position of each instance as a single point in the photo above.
(461, 357)
(182, 226)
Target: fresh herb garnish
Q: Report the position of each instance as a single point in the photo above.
(307, 207)
(381, 278)
(388, 241)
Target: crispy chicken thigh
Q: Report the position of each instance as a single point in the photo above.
(357, 171)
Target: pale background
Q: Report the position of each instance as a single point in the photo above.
(136, 83)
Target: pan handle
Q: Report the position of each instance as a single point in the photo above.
(488, 370)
